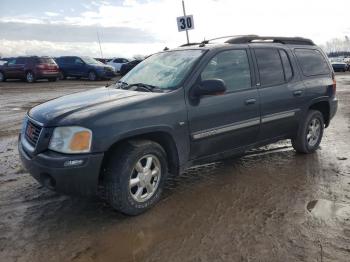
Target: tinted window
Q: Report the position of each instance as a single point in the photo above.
(312, 62)
(288, 73)
(78, 61)
(20, 61)
(232, 67)
(12, 61)
(270, 66)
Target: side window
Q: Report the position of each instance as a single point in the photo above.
(78, 61)
(231, 66)
(288, 72)
(12, 62)
(20, 61)
(312, 62)
(68, 60)
(270, 66)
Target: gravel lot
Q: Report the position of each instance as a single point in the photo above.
(270, 205)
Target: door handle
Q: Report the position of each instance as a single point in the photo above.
(297, 93)
(250, 101)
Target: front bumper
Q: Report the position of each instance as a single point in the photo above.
(47, 74)
(105, 73)
(51, 170)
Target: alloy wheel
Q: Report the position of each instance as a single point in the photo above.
(314, 131)
(145, 178)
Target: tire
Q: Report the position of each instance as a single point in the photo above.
(52, 79)
(30, 77)
(61, 75)
(92, 76)
(2, 77)
(310, 133)
(121, 170)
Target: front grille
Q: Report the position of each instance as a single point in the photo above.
(32, 133)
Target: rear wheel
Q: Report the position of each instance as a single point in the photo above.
(310, 133)
(30, 78)
(2, 77)
(134, 177)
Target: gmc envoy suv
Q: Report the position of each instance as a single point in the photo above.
(178, 108)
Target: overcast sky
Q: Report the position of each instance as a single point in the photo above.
(129, 27)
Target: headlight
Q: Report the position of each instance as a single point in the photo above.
(71, 139)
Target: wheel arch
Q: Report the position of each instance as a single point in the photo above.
(324, 107)
(165, 139)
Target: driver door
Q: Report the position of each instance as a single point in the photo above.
(227, 121)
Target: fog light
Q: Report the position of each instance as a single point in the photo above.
(73, 162)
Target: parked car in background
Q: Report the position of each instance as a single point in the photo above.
(103, 60)
(125, 68)
(117, 63)
(84, 67)
(30, 68)
(340, 66)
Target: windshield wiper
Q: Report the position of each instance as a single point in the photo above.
(150, 88)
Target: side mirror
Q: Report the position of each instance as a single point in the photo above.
(210, 87)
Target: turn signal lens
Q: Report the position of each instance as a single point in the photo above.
(80, 141)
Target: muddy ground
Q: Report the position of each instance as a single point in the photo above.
(270, 205)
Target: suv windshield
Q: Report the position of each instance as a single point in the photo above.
(91, 61)
(163, 70)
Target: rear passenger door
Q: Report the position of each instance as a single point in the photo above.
(281, 94)
(231, 120)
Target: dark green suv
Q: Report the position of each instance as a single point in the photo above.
(179, 108)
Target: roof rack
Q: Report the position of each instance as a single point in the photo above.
(189, 44)
(274, 39)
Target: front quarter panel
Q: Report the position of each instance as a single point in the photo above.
(165, 113)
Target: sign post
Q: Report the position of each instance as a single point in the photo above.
(185, 22)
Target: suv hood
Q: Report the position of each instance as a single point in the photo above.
(84, 104)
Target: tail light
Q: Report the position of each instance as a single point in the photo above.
(334, 83)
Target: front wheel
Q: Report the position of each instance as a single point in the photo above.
(2, 77)
(30, 78)
(310, 133)
(134, 176)
(92, 76)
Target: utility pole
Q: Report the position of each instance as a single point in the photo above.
(99, 42)
(183, 8)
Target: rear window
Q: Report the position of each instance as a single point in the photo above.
(312, 62)
(45, 60)
(270, 66)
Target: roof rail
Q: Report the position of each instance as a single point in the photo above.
(274, 39)
(189, 44)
